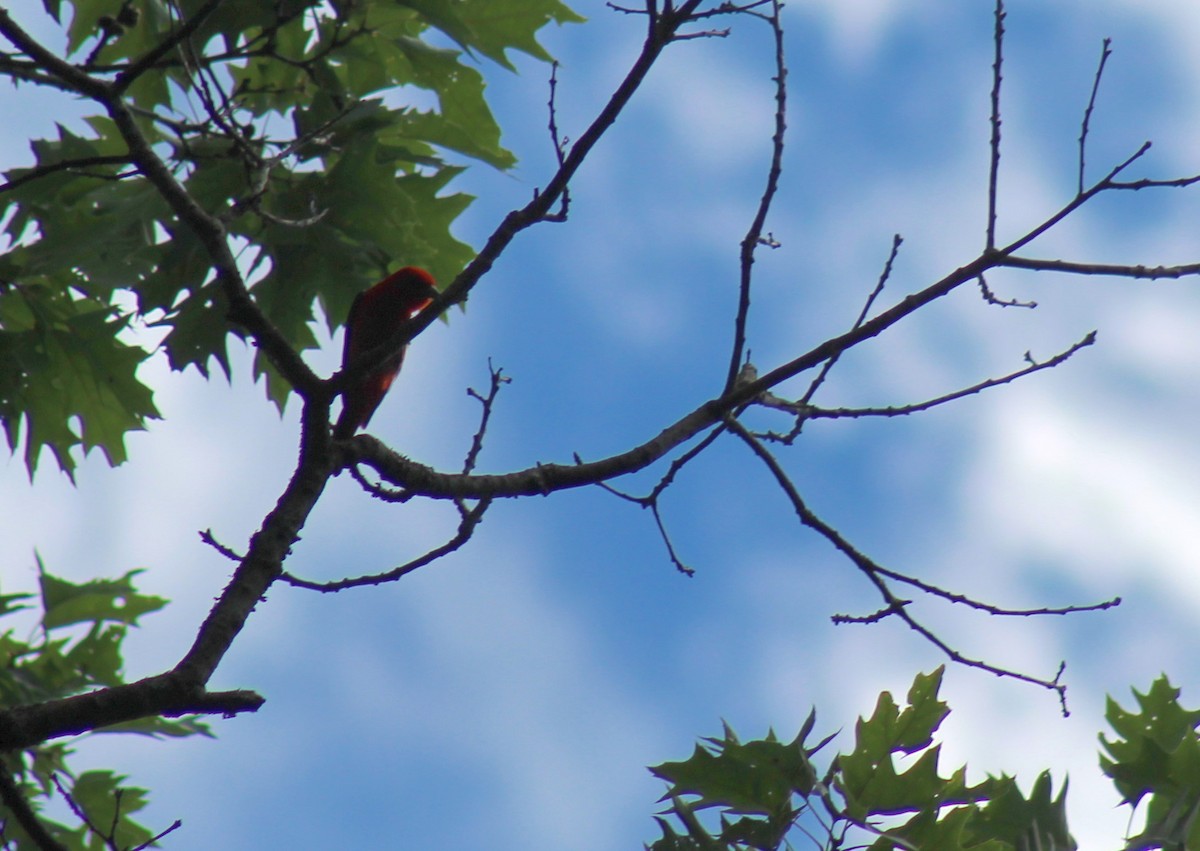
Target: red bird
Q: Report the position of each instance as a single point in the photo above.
(376, 315)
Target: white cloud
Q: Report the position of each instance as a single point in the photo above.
(857, 29)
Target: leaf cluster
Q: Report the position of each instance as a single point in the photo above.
(75, 646)
(1156, 755)
(315, 133)
(888, 789)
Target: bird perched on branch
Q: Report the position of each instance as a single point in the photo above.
(375, 316)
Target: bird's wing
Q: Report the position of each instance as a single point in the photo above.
(353, 321)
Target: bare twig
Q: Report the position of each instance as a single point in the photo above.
(730, 8)
(65, 165)
(893, 605)
(207, 537)
(470, 519)
(1147, 183)
(175, 825)
(808, 411)
(754, 238)
(682, 461)
(378, 491)
(652, 499)
(79, 812)
(16, 803)
(989, 608)
(156, 53)
(897, 241)
(1104, 184)
(559, 143)
(1114, 269)
(1105, 52)
(498, 379)
(994, 160)
(666, 538)
(991, 298)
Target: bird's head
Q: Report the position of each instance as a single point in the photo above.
(411, 287)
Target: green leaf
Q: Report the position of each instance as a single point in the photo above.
(96, 600)
(158, 728)
(950, 831)
(495, 26)
(108, 805)
(868, 777)
(97, 656)
(755, 777)
(1157, 746)
(1157, 754)
(41, 668)
(766, 782)
(463, 122)
(62, 364)
(317, 150)
(198, 332)
(1039, 821)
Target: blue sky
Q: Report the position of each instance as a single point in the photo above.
(511, 695)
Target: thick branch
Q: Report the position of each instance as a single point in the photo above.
(181, 690)
(70, 76)
(420, 480)
(269, 547)
(547, 478)
(164, 695)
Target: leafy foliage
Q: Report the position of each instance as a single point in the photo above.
(316, 132)
(767, 791)
(887, 787)
(756, 781)
(1157, 753)
(75, 646)
(63, 359)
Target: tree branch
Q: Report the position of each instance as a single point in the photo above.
(40, 171)
(754, 236)
(15, 803)
(166, 695)
(994, 159)
(893, 605)
(811, 412)
(1105, 52)
(662, 30)
(470, 519)
(149, 59)
(71, 77)
(1116, 270)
